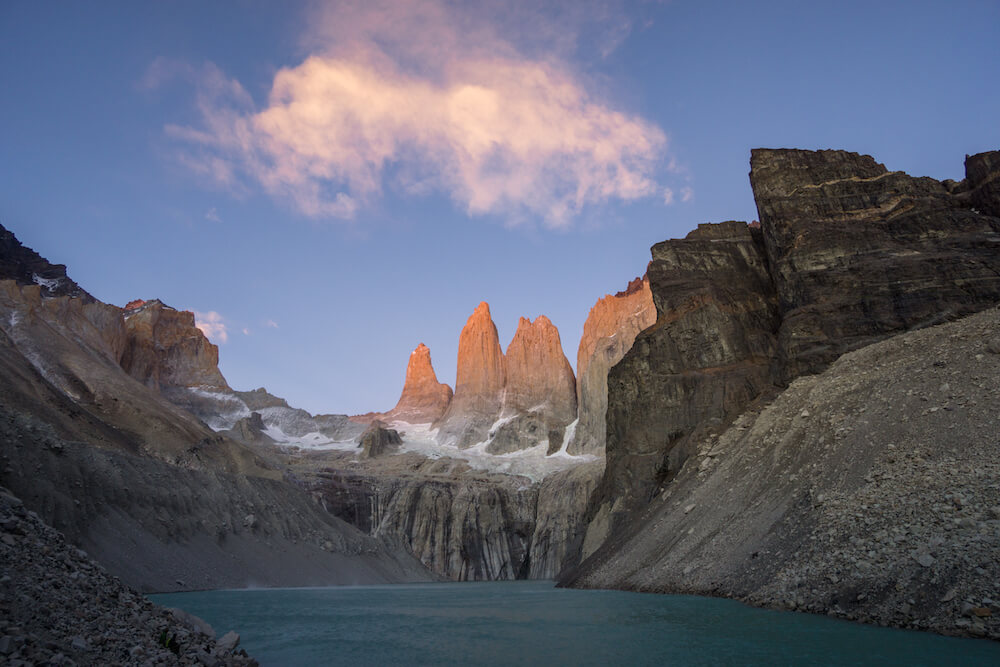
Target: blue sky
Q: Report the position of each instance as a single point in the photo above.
(342, 181)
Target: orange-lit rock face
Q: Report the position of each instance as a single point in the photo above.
(479, 382)
(540, 395)
(481, 369)
(424, 399)
(538, 373)
(164, 349)
(610, 329)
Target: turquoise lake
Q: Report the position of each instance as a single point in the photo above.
(533, 623)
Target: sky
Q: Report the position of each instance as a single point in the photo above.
(326, 185)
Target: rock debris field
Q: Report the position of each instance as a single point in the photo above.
(58, 607)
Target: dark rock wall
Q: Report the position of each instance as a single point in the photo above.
(847, 254)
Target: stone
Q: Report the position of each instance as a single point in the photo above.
(608, 333)
(539, 399)
(858, 252)
(424, 400)
(26, 267)
(166, 350)
(713, 350)
(379, 440)
(227, 642)
(479, 382)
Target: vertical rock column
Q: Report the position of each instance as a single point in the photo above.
(479, 383)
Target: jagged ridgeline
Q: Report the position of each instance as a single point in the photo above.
(723, 432)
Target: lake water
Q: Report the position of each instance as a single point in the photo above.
(533, 623)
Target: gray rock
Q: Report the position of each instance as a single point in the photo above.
(227, 642)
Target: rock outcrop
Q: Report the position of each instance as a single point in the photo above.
(378, 440)
(846, 254)
(608, 333)
(144, 486)
(479, 382)
(859, 253)
(462, 523)
(869, 492)
(165, 350)
(712, 350)
(26, 267)
(424, 400)
(540, 394)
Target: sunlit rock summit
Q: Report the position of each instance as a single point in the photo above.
(424, 399)
(479, 382)
(608, 333)
(166, 350)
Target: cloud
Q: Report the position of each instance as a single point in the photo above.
(246, 331)
(428, 96)
(212, 215)
(687, 194)
(212, 325)
(668, 196)
(271, 323)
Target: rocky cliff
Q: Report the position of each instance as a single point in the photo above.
(858, 253)
(608, 333)
(869, 492)
(165, 350)
(26, 267)
(540, 393)
(144, 486)
(846, 254)
(463, 523)
(479, 382)
(424, 400)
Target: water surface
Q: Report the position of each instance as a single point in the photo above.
(533, 623)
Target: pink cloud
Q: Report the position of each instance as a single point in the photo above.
(431, 94)
(212, 325)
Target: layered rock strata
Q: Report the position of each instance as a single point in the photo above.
(858, 253)
(869, 492)
(26, 267)
(462, 523)
(608, 333)
(165, 350)
(846, 254)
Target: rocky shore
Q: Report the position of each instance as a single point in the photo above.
(59, 607)
(869, 492)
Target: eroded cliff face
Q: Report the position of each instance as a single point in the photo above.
(859, 253)
(424, 400)
(465, 524)
(165, 349)
(847, 254)
(608, 333)
(479, 382)
(867, 492)
(540, 393)
(144, 486)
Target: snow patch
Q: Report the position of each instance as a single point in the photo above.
(51, 284)
(531, 463)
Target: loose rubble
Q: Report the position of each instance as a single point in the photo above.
(58, 607)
